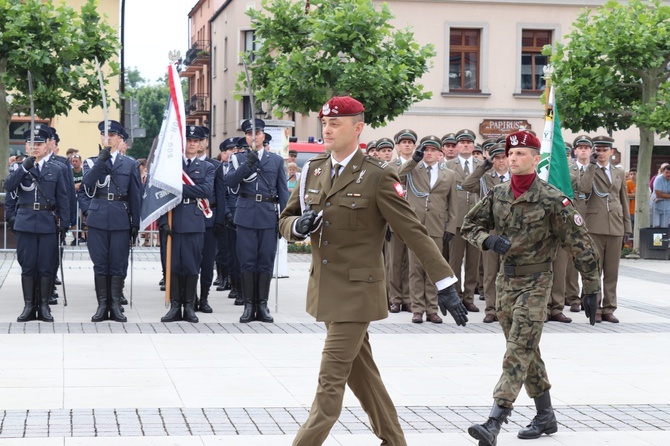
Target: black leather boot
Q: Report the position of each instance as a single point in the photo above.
(174, 313)
(190, 286)
(204, 300)
(226, 284)
(262, 311)
(249, 293)
(123, 300)
(219, 277)
(115, 312)
(43, 310)
(101, 295)
(544, 422)
(53, 298)
(29, 298)
(233, 288)
(487, 433)
(161, 284)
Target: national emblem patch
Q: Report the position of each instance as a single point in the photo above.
(566, 202)
(399, 189)
(579, 221)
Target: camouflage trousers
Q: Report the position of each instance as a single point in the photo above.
(521, 305)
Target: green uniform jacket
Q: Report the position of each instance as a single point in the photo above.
(346, 278)
(535, 224)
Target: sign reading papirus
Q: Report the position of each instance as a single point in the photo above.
(494, 128)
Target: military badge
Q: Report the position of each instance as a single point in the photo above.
(360, 177)
(565, 202)
(326, 109)
(399, 189)
(317, 171)
(579, 221)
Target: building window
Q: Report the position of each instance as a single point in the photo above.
(213, 120)
(464, 60)
(225, 54)
(246, 107)
(225, 116)
(214, 61)
(249, 43)
(532, 59)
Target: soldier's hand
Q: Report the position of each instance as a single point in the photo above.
(304, 224)
(230, 220)
(448, 300)
(134, 230)
(104, 155)
(590, 302)
(29, 163)
(447, 237)
(10, 224)
(166, 229)
(418, 153)
(497, 243)
(387, 236)
(487, 164)
(252, 157)
(62, 231)
(626, 238)
(219, 230)
(594, 158)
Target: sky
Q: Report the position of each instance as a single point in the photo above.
(153, 29)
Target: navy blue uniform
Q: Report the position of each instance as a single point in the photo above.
(209, 248)
(227, 254)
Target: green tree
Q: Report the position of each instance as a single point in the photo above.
(58, 46)
(613, 74)
(339, 47)
(133, 79)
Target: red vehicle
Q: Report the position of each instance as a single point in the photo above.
(306, 151)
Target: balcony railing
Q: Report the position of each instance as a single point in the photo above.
(198, 104)
(198, 54)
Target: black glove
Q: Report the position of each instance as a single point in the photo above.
(62, 231)
(497, 243)
(590, 302)
(487, 164)
(133, 234)
(387, 236)
(230, 220)
(219, 230)
(447, 237)
(166, 229)
(10, 223)
(104, 155)
(252, 158)
(303, 225)
(448, 299)
(418, 154)
(594, 158)
(29, 163)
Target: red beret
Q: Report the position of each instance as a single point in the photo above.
(522, 138)
(341, 106)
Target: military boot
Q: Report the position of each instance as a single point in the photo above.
(544, 422)
(190, 286)
(29, 298)
(204, 300)
(53, 297)
(116, 289)
(487, 433)
(219, 277)
(123, 300)
(43, 310)
(174, 313)
(262, 311)
(234, 288)
(161, 284)
(101, 295)
(226, 284)
(249, 292)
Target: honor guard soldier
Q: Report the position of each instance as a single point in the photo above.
(344, 204)
(113, 186)
(463, 165)
(607, 218)
(372, 150)
(449, 146)
(531, 219)
(209, 249)
(431, 193)
(493, 171)
(263, 192)
(188, 230)
(42, 217)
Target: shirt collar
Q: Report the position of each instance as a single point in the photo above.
(345, 161)
(463, 160)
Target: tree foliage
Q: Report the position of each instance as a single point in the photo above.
(339, 47)
(613, 74)
(58, 45)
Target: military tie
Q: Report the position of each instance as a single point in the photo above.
(466, 169)
(188, 162)
(605, 172)
(37, 167)
(502, 179)
(336, 174)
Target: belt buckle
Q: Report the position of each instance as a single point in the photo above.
(186, 201)
(509, 270)
(110, 197)
(36, 206)
(259, 198)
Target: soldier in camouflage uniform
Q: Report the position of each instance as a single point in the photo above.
(531, 218)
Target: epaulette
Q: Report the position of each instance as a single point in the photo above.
(323, 155)
(376, 162)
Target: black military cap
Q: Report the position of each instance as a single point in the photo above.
(41, 134)
(267, 139)
(385, 143)
(205, 130)
(449, 138)
(242, 143)
(54, 134)
(405, 134)
(431, 141)
(603, 140)
(246, 125)
(465, 134)
(194, 132)
(228, 143)
(112, 127)
(293, 152)
(583, 140)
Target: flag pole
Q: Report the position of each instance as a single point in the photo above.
(168, 261)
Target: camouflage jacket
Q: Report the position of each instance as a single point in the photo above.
(535, 224)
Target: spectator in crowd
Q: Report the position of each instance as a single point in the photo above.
(660, 200)
(630, 188)
(660, 170)
(293, 177)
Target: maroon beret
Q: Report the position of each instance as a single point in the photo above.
(341, 106)
(522, 138)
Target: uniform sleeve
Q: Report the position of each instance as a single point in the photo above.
(479, 221)
(586, 181)
(282, 186)
(220, 191)
(203, 190)
(452, 198)
(135, 194)
(289, 215)
(407, 168)
(471, 183)
(238, 171)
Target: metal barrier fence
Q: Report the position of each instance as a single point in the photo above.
(76, 238)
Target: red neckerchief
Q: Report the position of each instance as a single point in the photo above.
(521, 183)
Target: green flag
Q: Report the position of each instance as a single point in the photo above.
(553, 167)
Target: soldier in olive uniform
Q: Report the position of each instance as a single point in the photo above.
(531, 219)
(607, 218)
(344, 202)
(431, 192)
